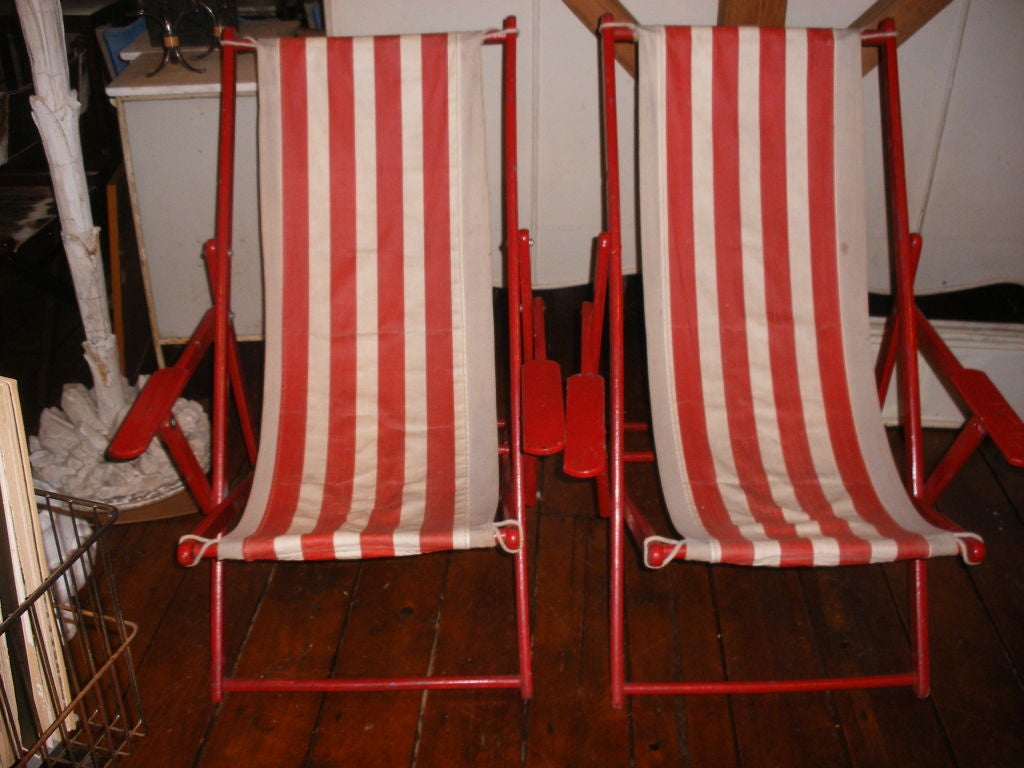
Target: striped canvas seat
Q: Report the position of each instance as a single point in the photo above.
(766, 421)
(379, 433)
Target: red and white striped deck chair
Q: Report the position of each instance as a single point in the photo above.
(380, 434)
(766, 422)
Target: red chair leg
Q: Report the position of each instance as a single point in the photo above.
(216, 631)
(919, 627)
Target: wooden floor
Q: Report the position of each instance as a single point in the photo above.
(449, 613)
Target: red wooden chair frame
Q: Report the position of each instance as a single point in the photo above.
(532, 427)
(585, 454)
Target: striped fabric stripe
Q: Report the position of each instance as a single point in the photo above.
(378, 438)
(770, 444)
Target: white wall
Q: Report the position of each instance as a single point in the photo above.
(973, 218)
(962, 84)
(963, 103)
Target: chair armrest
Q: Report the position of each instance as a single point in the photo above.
(543, 412)
(996, 415)
(149, 411)
(585, 446)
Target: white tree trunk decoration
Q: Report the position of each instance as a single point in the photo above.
(69, 453)
(55, 109)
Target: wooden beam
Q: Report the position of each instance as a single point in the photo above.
(752, 13)
(909, 16)
(590, 13)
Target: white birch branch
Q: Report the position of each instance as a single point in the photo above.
(55, 110)
(69, 453)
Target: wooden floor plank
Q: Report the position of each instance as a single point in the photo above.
(766, 635)
(607, 729)
(572, 720)
(476, 636)
(671, 626)
(989, 500)
(295, 633)
(142, 554)
(706, 732)
(860, 632)
(174, 675)
(974, 686)
(710, 735)
(390, 632)
(554, 723)
(652, 650)
(1009, 478)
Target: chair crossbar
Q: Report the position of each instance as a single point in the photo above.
(367, 685)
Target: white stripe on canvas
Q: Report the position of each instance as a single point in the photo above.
(705, 248)
(768, 550)
(654, 229)
(364, 482)
(270, 148)
(414, 492)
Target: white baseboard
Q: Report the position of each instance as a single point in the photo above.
(995, 348)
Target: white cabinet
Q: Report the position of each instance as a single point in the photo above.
(169, 129)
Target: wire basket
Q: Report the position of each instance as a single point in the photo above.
(88, 697)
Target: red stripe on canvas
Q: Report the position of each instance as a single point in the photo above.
(692, 422)
(438, 522)
(338, 477)
(387, 505)
(825, 280)
(293, 366)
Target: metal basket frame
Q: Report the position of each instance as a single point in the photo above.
(99, 711)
